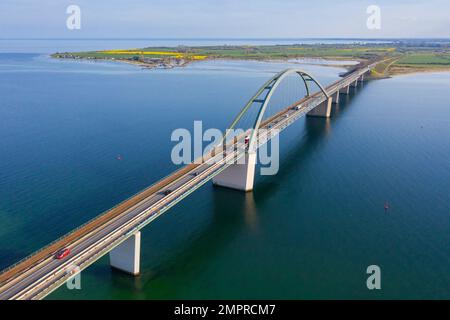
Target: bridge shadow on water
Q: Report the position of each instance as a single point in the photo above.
(193, 250)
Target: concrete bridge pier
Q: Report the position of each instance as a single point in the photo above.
(345, 90)
(126, 256)
(322, 110)
(354, 84)
(239, 176)
(335, 97)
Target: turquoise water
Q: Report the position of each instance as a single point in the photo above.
(308, 232)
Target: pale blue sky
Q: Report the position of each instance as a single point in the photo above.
(223, 19)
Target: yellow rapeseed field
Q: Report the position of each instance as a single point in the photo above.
(178, 55)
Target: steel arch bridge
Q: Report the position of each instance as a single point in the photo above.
(265, 93)
(117, 231)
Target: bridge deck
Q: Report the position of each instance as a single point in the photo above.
(39, 274)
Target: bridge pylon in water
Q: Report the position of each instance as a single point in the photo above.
(240, 176)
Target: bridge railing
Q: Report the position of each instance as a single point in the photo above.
(345, 81)
(172, 174)
(103, 213)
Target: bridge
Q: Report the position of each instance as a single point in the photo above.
(117, 231)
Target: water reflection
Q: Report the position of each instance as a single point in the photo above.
(250, 212)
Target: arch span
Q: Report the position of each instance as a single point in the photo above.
(265, 93)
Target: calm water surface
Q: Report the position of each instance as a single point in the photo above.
(308, 232)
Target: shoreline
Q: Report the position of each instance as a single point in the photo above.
(397, 58)
(398, 70)
(150, 66)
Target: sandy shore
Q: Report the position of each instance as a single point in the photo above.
(402, 70)
(393, 70)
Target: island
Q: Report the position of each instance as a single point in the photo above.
(400, 56)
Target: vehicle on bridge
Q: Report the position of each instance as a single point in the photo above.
(61, 254)
(117, 231)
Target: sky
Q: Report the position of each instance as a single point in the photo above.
(225, 19)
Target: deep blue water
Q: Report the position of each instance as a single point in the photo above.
(308, 232)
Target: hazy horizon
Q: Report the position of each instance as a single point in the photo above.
(229, 38)
(268, 19)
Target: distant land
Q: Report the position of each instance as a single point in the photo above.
(401, 57)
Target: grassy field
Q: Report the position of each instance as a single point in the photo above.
(237, 52)
(274, 52)
(400, 58)
(425, 58)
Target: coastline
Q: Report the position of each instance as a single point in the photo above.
(147, 65)
(391, 71)
(402, 70)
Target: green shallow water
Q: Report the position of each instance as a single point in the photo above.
(308, 232)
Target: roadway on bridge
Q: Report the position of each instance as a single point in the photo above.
(36, 277)
(46, 270)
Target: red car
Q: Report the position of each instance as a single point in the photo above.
(62, 253)
(247, 139)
